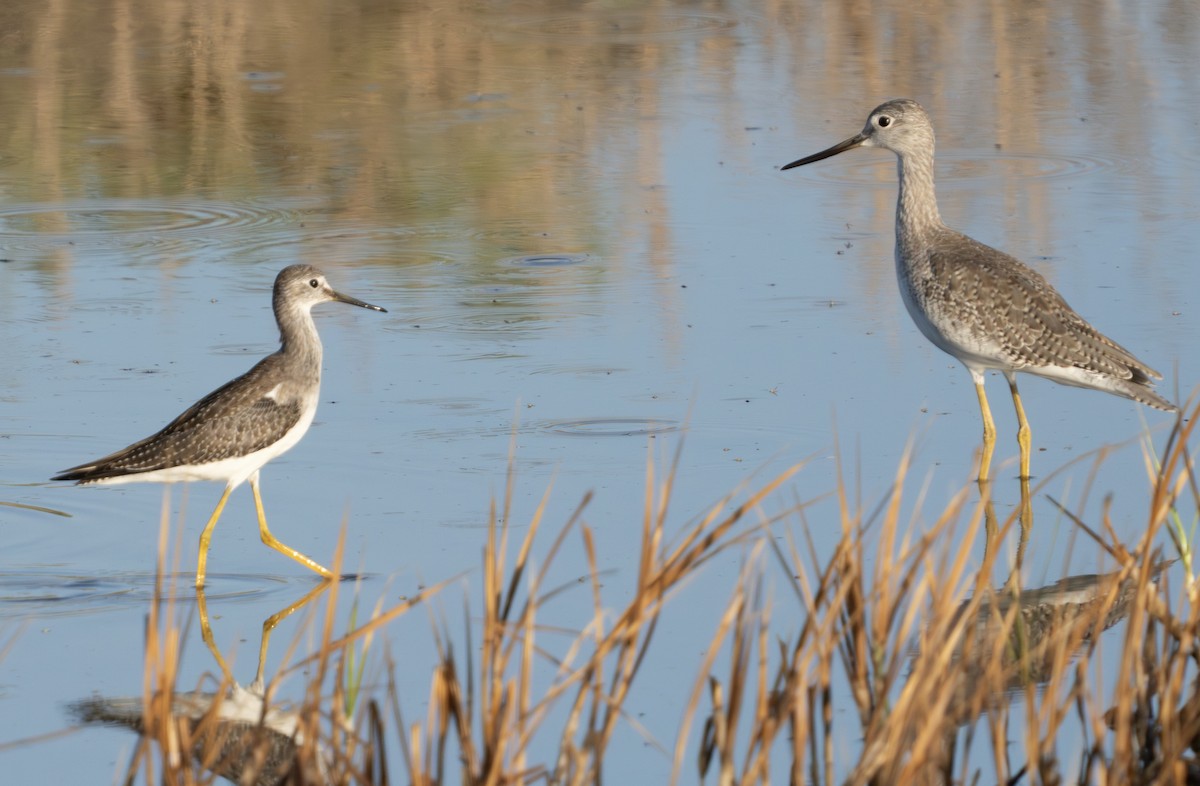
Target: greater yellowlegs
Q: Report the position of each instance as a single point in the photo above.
(232, 432)
(984, 307)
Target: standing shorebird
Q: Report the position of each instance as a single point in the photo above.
(989, 310)
(232, 432)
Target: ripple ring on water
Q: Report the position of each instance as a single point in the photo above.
(611, 427)
(107, 217)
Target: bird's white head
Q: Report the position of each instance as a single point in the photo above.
(900, 125)
(304, 286)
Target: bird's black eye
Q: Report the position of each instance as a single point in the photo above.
(884, 121)
(314, 283)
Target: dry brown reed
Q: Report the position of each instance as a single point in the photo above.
(595, 673)
(894, 624)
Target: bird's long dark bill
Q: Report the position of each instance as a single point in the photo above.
(840, 147)
(338, 296)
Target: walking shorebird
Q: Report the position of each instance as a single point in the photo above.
(984, 307)
(232, 432)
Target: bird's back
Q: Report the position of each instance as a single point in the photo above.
(991, 310)
(242, 417)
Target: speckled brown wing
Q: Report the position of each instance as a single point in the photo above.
(1003, 299)
(235, 419)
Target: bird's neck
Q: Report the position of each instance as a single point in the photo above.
(916, 207)
(298, 337)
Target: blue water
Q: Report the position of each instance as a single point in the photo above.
(588, 258)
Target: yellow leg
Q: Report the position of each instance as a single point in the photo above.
(269, 625)
(271, 540)
(206, 536)
(207, 634)
(990, 527)
(989, 429)
(1026, 519)
(1024, 434)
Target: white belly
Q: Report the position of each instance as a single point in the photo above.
(976, 355)
(233, 471)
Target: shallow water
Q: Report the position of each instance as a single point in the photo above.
(575, 220)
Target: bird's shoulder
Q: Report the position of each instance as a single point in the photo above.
(242, 416)
(1017, 306)
(257, 395)
(961, 257)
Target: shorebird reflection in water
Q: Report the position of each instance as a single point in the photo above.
(241, 733)
(232, 432)
(987, 309)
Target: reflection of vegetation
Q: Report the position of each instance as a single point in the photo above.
(36, 508)
(882, 629)
(495, 122)
(394, 114)
(484, 129)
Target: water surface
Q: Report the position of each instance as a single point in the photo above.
(574, 217)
